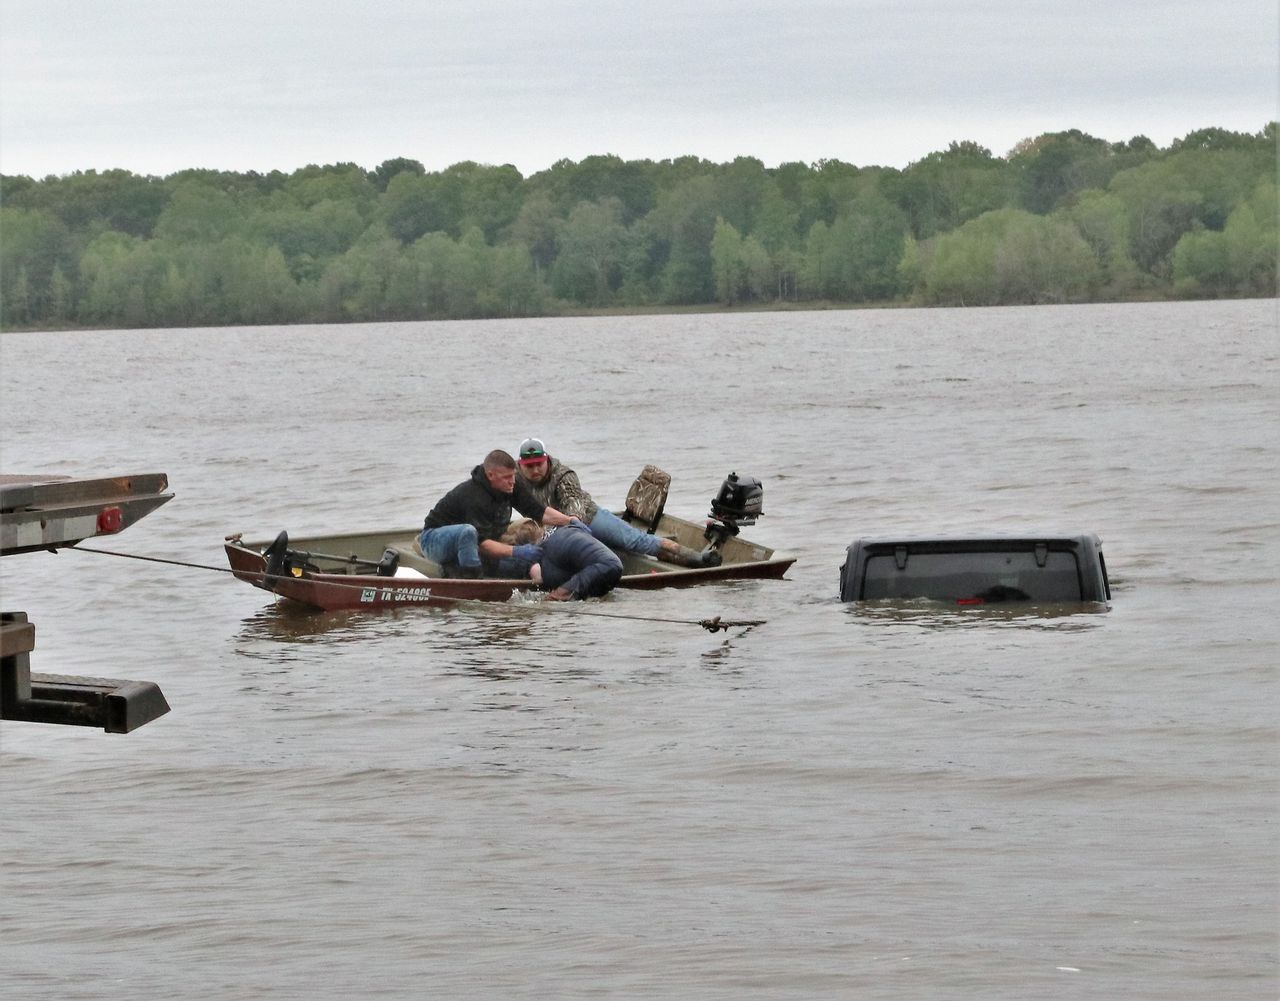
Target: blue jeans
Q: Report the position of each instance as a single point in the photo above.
(451, 544)
(458, 544)
(617, 534)
(576, 560)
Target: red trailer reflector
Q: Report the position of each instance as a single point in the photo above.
(110, 520)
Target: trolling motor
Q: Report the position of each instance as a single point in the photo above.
(277, 555)
(283, 561)
(738, 503)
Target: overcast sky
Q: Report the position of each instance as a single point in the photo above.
(162, 85)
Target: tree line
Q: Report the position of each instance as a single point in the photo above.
(1063, 217)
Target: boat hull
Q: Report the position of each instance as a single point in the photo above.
(333, 592)
(338, 572)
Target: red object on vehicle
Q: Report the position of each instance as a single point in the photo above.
(110, 520)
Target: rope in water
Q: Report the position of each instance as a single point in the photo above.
(711, 625)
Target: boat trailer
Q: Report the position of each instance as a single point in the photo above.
(50, 513)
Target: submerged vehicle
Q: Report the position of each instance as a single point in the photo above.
(379, 569)
(977, 571)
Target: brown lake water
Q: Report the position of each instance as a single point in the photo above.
(843, 802)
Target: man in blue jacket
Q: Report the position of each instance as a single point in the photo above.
(569, 562)
(463, 530)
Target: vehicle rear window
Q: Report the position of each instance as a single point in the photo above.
(981, 577)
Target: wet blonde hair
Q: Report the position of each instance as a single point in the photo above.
(522, 533)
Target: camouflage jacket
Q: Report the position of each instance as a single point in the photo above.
(562, 491)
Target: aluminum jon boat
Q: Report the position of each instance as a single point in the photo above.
(386, 569)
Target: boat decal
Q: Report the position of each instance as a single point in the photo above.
(393, 594)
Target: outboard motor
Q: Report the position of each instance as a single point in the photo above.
(739, 502)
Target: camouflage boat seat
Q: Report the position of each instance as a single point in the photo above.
(647, 498)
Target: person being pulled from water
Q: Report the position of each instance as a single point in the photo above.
(567, 562)
(463, 531)
(554, 483)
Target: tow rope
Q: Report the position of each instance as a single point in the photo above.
(712, 625)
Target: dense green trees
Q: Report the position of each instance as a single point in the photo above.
(1064, 217)
(1238, 260)
(1009, 256)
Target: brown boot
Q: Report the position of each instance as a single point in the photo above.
(683, 556)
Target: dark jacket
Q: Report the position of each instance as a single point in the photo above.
(476, 502)
(575, 559)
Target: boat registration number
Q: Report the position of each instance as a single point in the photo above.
(370, 594)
